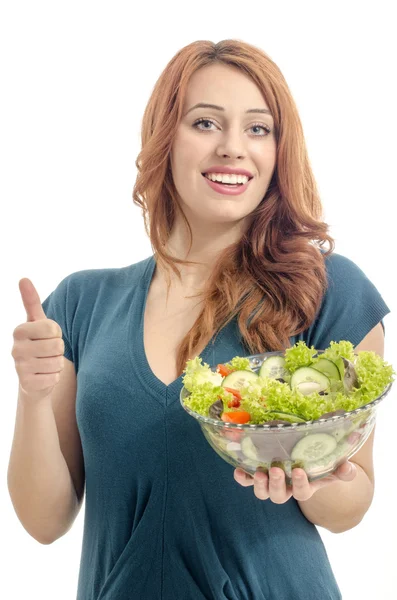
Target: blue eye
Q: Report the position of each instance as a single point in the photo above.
(256, 125)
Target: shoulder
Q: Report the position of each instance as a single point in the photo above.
(351, 305)
(99, 279)
(342, 269)
(349, 285)
(347, 281)
(89, 287)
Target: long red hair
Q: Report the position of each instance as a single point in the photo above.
(274, 278)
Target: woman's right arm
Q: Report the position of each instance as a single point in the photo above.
(46, 468)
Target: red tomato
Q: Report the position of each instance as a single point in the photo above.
(237, 416)
(224, 371)
(354, 437)
(235, 403)
(235, 393)
(234, 435)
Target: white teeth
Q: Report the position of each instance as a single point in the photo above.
(223, 178)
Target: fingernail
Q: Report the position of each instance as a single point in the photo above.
(352, 469)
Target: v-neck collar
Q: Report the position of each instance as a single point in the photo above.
(163, 393)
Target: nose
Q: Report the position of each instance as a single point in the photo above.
(231, 145)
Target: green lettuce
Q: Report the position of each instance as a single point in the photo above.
(197, 373)
(239, 363)
(337, 350)
(202, 396)
(264, 395)
(275, 396)
(298, 356)
(374, 374)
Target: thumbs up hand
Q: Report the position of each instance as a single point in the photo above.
(38, 347)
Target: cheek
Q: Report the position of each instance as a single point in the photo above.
(265, 158)
(191, 150)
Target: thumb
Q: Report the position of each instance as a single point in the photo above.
(31, 300)
(347, 471)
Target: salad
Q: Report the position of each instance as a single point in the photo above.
(297, 386)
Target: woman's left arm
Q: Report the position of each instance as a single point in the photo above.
(338, 502)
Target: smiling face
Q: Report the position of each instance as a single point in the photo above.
(230, 137)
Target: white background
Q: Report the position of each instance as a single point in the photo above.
(75, 80)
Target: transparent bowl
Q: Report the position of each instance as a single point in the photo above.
(263, 446)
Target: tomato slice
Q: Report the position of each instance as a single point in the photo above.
(224, 371)
(235, 403)
(235, 393)
(234, 435)
(237, 416)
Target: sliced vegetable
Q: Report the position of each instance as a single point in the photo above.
(235, 393)
(235, 403)
(287, 417)
(248, 448)
(307, 381)
(314, 446)
(237, 416)
(238, 379)
(223, 370)
(328, 368)
(273, 367)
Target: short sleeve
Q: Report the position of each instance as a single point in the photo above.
(351, 306)
(57, 307)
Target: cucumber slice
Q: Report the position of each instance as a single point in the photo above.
(340, 366)
(249, 449)
(313, 447)
(329, 462)
(308, 380)
(273, 367)
(328, 368)
(291, 418)
(233, 446)
(238, 379)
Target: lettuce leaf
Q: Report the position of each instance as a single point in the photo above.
(197, 373)
(298, 356)
(275, 396)
(337, 350)
(239, 363)
(202, 396)
(374, 374)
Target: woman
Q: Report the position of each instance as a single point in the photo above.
(165, 517)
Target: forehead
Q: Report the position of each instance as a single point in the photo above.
(224, 85)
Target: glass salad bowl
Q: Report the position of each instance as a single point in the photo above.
(318, 446)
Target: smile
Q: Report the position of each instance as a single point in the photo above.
(228, 189)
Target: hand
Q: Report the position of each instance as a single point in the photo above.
(38, 348)
(301, 489)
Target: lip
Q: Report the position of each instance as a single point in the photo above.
(225, 191)
(228, 171)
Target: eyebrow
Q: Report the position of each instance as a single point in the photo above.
(215, 107)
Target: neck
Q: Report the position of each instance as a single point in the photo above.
(208, 243)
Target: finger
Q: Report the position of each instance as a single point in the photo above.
(277, 486)
(261, 485)
(31, 300)
(301, 489)
(243, 478)
(346, 471)
(338, 475)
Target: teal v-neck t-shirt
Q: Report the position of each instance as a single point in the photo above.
(164, 518)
